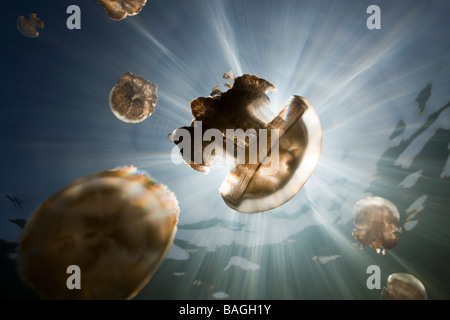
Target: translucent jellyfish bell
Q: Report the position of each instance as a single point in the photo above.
(120, 9)
(376, 220)
(403, 286)
(116, 226)
(133, 99)
(280, 153)
(27, 27)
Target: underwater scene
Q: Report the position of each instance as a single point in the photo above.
(225, 150)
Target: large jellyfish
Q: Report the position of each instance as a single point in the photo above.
(133, 98)
(27, 27)
(270, 158)
(376, 220)
(116, 226)
(403, 286)
(120, 9)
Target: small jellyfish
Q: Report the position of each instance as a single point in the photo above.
(120, 9)
(403, 286)
(117, 226)
(27, 27)
(228, 75)
(215, 91)
(229, 85)
(270, 157)
(376, 220)
(133, 98)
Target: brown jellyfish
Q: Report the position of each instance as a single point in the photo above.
(270, 158)
(403, 286)
(228, 75)
(116, 226)
(215, 91)
(120, 9)
(133, 98)
(376, 220)
(27, 27)
(228, 85)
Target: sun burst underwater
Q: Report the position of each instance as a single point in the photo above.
(382, 97)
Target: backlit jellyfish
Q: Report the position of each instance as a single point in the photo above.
(270, 158)
(27, 27)
(133, 98)
(120, 9)
(229, 85)
(228, 75)
(215, 91)
(116, 226)
(376, 220)
(403, 286)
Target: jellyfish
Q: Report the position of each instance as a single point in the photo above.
(120, 9)
(215, 91)
(133, 99)
(228, 75)
(229, 85)
(27, 27)
(376, 220)
(403, 286)
(117, 226)
(270, 157)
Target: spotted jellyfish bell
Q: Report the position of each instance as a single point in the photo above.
(403, 286)
(120, 9)
(133, 99)
(116, 226)
(27, 26)
(376, 220)
(280, 152)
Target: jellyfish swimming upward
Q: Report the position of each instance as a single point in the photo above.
(116, 226)
(120, 9)
(376, 220)
(404, 286)
(27, 27)
(133, 99)
(270, 157)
